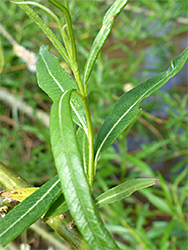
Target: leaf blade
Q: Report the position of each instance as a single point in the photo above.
(47, 31)
(84, 147)
(102, 36)
(54, 80)
(28, 211)
(73, 180)
(123, 190)
(126, 108)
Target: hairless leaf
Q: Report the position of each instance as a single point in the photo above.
(123, 190)
(42, 7)
(54, 80)
(47, 31)
(126, 108)
(83, 146)
(102, 36)
(115, 9)
(28, 211)
(73, 180)
(114, 194)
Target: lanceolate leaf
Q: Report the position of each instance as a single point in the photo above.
(123, 190)
(83, 146)
(103, 34)
(112, 195)
(28, 211)
(126, 108)
(73, 180)
(115, 9)
(47, 31)
(54, 80)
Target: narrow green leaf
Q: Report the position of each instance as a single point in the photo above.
(115, 9)
(112, 195)
(54, 80)
(126, 108)
(28, 211)
(84, 147)
(41, 7)
(47, 31)
(102, 36)
(73, 180)
(123, 190)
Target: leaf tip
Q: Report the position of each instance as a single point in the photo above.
(156, 180)
(43, 49)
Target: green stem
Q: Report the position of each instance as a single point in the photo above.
(65, 228)
(47, 31)
(43, 8)
(9, 180)
(66, 40)
(69, 25)
(67, 4)
(81, 88)
(73, 57)
(90, 142)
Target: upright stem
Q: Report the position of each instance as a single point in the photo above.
(91, 143)
(47, 31)
(83, 92)
(69, 25)
(67, 4)
(90, 129)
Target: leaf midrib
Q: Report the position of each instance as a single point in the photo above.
(62, 89)
(35, 204)
(73, 179)
(119, 120)
(127, 190)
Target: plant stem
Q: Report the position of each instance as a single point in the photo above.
(69, 25)
(90, 128)
(67, 4)
(73, 57)
(47, 31)
(9, 180)
(85, 101)
(90, 142)
(78, 79)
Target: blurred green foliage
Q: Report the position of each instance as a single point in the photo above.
(145, 37)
